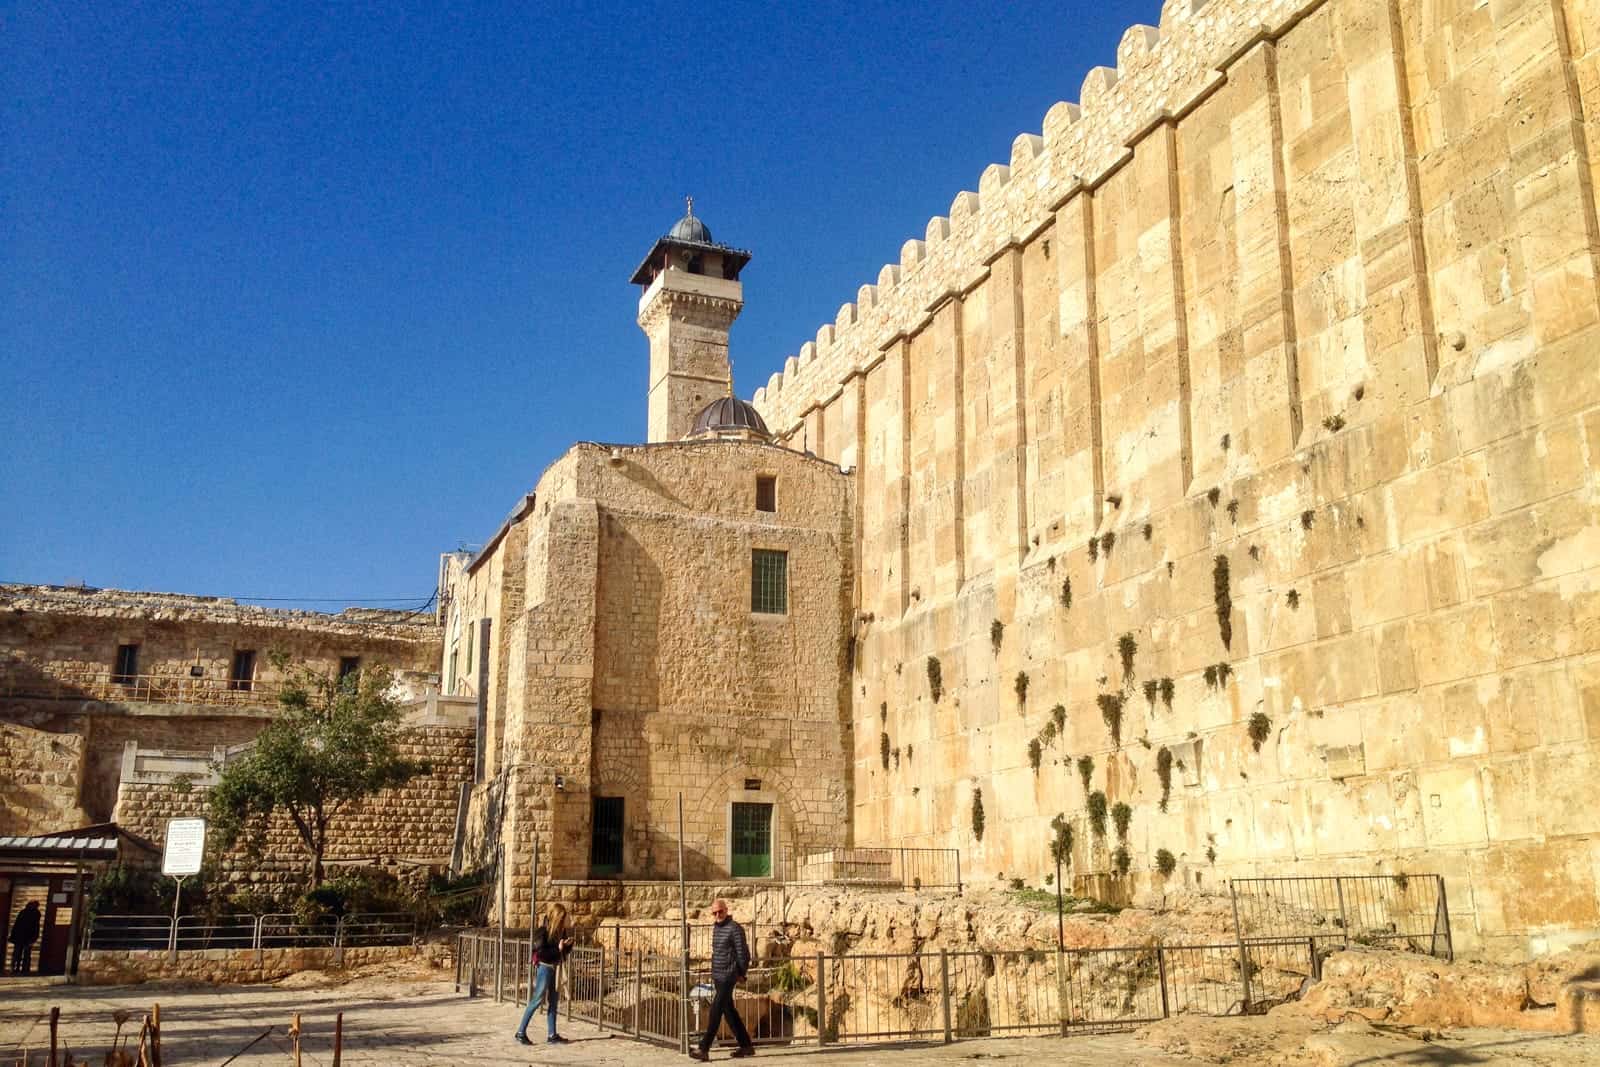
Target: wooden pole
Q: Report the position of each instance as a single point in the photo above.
(338, 1038)
(55, 1021)
(155, 1035)
(294, 1036)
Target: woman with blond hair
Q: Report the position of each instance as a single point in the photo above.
(551, 943)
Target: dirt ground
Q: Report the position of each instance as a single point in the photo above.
(415, 1017)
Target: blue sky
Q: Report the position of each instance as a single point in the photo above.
(294, 298)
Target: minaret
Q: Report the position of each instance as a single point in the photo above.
(691, 297)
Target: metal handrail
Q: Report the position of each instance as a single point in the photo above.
(134, 688)
(157, 933)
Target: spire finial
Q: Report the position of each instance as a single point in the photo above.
(688, 206)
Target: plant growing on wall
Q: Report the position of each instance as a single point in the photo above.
(1111, 712)
(1167, 691)
(1164, 774)
(935, 679)
(1293, 597)
(1211, 675)
(883, 712)
(1108, 541)
(1213, 495)
(1166, 862)
(1097, 813)
(1307, 518)
(1061, 842)
(1223, 600)
(1121, 860)
(1149, 531)
(1047, 733)
(1035, 754)
(1094, 549)
(896, 753)
(1021, 687)
(332, 744)
(1260, 729)
(1058, 718)
(909, 750)
(1086, 772)
(997, 633)
(1233, 511)
(1121, 818)
(883, 749)
(1127, 648)
(1066, 593)
(1152, 688)
(977, 814)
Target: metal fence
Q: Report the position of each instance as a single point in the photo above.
(639, 981)
(829, 999)
(1401, 910)
(919, 869)
(625, 941)
(191, 933)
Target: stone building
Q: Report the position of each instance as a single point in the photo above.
(114, 706)
(663, 620)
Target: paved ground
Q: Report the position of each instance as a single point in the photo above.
(398, 1022)
(410, 1023)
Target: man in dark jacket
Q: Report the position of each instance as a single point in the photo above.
(24, 932)
(730, 959)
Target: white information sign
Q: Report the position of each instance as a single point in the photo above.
(186, 844)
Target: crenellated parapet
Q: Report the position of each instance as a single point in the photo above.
(1161, 73)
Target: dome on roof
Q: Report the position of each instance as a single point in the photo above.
(729, 414)
(690, 228)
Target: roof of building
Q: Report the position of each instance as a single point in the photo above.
(729, 414)
(691, 233)
(98, 842)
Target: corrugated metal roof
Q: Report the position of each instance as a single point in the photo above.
(70, 845)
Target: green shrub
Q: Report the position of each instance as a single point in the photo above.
(1097, 813)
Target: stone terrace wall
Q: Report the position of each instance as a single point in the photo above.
(220, 966)
(1274, 357)
(414, 823)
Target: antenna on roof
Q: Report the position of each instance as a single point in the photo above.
(688, 206)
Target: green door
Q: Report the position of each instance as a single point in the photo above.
(752, 840)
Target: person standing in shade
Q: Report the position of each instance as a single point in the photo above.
(24, 932)
(549, 946)
(730, 959)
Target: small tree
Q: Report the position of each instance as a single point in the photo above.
(332, 743)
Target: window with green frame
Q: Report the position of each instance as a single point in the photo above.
(752, 841)
(769, 581)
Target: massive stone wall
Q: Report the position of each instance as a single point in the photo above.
(1254, 395)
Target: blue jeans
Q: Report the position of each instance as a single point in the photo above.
(544, 987)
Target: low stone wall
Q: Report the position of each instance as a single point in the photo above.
(226, 965)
